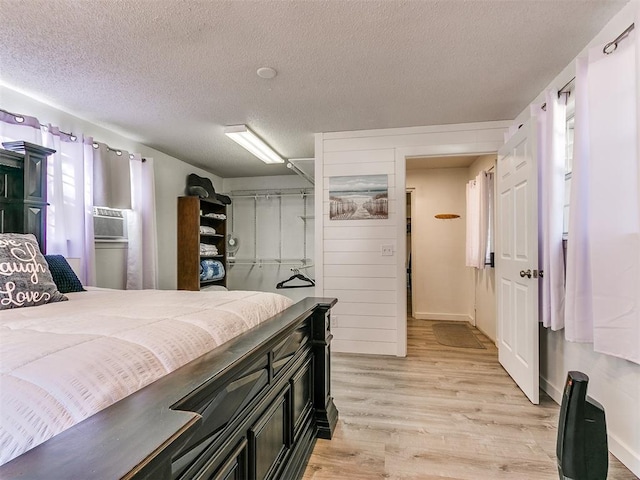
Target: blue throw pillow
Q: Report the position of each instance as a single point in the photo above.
(211, 270)
(63, 275)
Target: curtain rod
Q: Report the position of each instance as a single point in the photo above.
(607, 50)
(20, 119)
(117, 151)
(71, 136)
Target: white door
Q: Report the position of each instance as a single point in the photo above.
(517, 259)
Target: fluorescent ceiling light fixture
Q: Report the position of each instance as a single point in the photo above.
(250, 141)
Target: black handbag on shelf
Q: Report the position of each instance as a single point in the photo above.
(202, 187)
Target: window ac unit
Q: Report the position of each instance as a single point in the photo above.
(109, 223)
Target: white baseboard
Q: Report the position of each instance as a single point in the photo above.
(495, 342)
(456, 317)
(551, 390)
(625, 454)
(619, 449)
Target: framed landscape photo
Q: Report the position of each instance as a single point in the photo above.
(360, 197)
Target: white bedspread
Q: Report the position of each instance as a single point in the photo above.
(62, 362)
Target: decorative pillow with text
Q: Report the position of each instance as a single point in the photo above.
(25, 279)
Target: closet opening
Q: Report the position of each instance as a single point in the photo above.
(408, 256)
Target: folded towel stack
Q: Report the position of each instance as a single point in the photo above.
(217, 216)
(207, 230)
(206, 249)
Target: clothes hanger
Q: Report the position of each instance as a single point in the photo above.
(296, 275)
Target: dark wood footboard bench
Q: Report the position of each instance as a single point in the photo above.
(250, 409)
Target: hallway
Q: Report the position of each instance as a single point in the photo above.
(440, 413)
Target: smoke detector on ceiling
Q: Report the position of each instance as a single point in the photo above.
(267, 72)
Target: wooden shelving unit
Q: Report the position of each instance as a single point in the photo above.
(192, 213)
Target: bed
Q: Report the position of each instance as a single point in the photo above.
(163, 384)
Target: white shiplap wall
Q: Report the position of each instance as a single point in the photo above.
(355, 271)
(370, 316)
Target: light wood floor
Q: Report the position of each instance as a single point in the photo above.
(440, 413)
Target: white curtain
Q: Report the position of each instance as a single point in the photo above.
(111, 177)
(578, 312)
(603, 255)
(614, 200)
(81, 174)
(551, 167)
(70, 196)
(142, 256)
(472, 220)
(477, 220)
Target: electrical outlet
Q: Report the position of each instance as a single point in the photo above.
(386, 250)
(334, 321)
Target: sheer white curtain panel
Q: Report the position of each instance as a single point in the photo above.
(578, 312)
(614, 199)
(551, 161)
(472, 220)
(69, 192)
(614, 226)
(142, 257)
(111, 178)
(477, 220)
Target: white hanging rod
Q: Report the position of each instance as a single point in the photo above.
(272, 195)
(300, 264)
(294, 167)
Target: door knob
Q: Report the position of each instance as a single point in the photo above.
(526, 273)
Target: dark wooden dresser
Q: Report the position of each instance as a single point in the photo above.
(23, 189)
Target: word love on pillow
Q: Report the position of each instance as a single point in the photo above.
(25, 279)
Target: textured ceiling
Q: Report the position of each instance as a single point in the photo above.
(171, 74)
